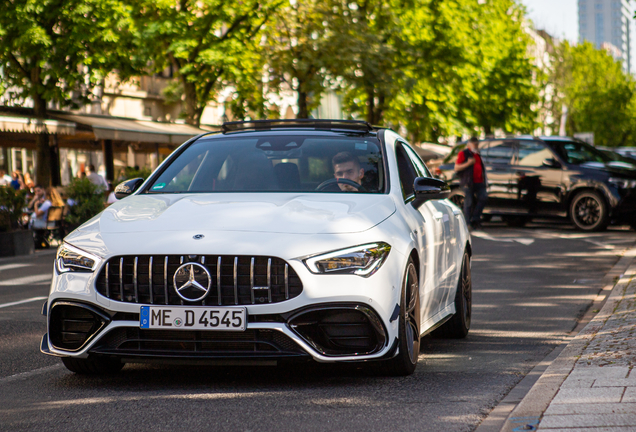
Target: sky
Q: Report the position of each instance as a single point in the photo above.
(558, 17)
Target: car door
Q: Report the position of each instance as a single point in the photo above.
(445, 214)
(497, 158)
(537, 185)
(429, 234)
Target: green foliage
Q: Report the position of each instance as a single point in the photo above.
(11, 204)
(58, 51)
(303, 50)
(598, 94)
(208, 42)
(131, 173)
(87, 201)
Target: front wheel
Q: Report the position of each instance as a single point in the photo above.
(589, 212)
(458, 326)
(92, 366)
(405, 361)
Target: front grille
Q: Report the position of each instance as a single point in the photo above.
(192, 343)
(235, 280)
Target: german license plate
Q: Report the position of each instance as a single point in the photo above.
(192, 318)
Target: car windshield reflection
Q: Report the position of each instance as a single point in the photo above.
(276, 164)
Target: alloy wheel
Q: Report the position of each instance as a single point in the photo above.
(410, 317)
(587, 211)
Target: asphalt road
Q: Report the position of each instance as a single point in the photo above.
(530, 286)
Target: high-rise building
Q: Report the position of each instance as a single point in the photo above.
(609, 24)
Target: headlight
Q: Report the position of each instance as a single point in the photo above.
(623, 183)
(72, 259)
(363, 260)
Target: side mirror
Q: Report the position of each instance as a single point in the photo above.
(551, 163)
(127, 187)
(427, 188)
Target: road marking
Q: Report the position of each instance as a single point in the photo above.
(29, 300)
(26, 280)
(12, 266)
(29, 374)
(483, 235)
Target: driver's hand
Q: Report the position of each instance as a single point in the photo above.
(347, 188)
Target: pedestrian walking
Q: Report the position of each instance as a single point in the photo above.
(473, 181)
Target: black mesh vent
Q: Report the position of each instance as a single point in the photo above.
(149, 279)
(133, 341)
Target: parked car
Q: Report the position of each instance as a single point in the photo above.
(273, 240)
(561, 177)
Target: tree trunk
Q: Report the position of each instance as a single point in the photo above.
(43, 162)
(370, 105)
(192, 115)
(303, 112)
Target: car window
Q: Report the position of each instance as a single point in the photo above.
(497, 152)
(274, 163)
(420, 166)
(577, 152)
(406, 170)
(532, 153)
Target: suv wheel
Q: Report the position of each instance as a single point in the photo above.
(589, 212)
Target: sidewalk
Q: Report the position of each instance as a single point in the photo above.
(591, 385)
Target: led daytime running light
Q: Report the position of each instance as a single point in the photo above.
(363, 260)
(72, 259)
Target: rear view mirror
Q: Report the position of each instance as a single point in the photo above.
(127, 187)
(426, 188)
(551, 163)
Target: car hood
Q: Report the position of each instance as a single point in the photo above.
(268, 213)
(618, 168)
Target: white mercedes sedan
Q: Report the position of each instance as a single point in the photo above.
(274, 240)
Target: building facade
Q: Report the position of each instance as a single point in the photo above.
(609, 25)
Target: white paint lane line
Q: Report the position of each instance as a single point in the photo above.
(29, 374)
(26, 280)
(29, 300)
(13, 266)
(483, 235)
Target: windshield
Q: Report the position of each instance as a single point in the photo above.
(578, 152)
(276, 163)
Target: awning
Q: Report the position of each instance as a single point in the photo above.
(118, 129)
(31, 125)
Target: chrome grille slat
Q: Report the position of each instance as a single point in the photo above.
(218, 280)
(136, 279)
(286, 281)
(152, 297)
(252, 279)
(240, 279)
(107, 280)
(269, 280)
(235, 280)
(121, 278)
(165, 278)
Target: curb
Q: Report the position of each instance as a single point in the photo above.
(527, 414)
(519, 408)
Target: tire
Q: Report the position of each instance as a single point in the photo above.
(589, 212)
(458, 326)
(405, 361)
(457, 198)
(92, 366)
(516, 221)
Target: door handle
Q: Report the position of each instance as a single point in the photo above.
(438, 215)
(457, 212)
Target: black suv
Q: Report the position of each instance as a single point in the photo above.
(551, 177)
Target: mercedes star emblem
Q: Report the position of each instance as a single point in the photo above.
(198, 236)
(192, 282)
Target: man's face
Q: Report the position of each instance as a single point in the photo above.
(350, 171)
(473, 146)
(39, 192)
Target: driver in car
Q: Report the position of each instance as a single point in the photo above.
(347, 166)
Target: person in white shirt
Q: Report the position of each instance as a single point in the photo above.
(5, 179)
(96, 179)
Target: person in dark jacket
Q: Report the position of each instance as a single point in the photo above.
(472, 179)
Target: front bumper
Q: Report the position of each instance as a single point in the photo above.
(336, 318)
(324, 332)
